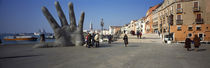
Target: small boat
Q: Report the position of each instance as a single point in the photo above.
(50, 37)
(16, 38)
(36, 33)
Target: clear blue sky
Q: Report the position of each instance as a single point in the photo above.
(19, 16)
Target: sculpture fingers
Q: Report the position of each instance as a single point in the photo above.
(72, 16)
(50, 19)
(81, 21)
(61, 14)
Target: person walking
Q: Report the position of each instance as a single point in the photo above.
(196, 42)
(188, 43)
(109, 38)
(92, 39)
(159, 33)
(137, 34)
(140, 35)
(125, 38)
(96, 38)
(86, 38)
(42, 37)
(89, 40)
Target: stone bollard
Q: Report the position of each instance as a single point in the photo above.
(42, 38)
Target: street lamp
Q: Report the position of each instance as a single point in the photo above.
(102, 25)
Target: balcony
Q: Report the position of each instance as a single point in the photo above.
(179, 22)
(199, 21)
(155, 26)
(196, 9)
(179, 11)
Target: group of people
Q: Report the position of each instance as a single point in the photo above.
(92, 40)
(196, 41)
(138, 34)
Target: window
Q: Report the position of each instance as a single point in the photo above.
(189, 34)
(198, 16)
(195, 4)
(179, 17)
(179, 28)
(172, 8)
(200, 35)
(198, 28)
(190, 28)
(178, 6)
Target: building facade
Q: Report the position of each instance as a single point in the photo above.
(149, 19)
(184, 18)
(114, 29)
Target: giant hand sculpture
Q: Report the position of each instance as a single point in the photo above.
(65, 35)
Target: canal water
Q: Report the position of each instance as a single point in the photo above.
(21, 42)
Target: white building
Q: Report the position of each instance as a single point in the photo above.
(140, 25)
(114, 29)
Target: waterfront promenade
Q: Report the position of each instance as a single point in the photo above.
(148, 52)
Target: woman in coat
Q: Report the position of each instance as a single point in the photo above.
(196, 42)
(96, 38)
(125, 38)
(188, 43)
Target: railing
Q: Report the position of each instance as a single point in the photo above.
(179, 10)
(199, 21)
(179, 22)
(196, 9)
(190, 29)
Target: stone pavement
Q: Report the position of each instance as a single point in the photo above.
(146, 38)
(148, 53)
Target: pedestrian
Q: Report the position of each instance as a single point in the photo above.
(96, 38)
(89, 40)
(158, 33)
(42, 38)
(188, 43)
(125, 38)
(109, 38)
(140, 35)
(196, 42)
(92, 39)
(86, 38)
(137, 34)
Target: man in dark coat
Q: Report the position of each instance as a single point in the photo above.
(188, 43)
(92, 39)
(137, 34)
(109, 39)
(89, 40)
(42, 38)
(125, 38)
(196, 42)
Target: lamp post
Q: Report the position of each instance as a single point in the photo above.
(170, 22)
(102, 25)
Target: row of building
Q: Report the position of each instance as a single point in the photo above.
(176, 18)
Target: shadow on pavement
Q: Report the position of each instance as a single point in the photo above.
(201, 49)
(104, 46)
(150, 38)
(10, 57)
(132, 46)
